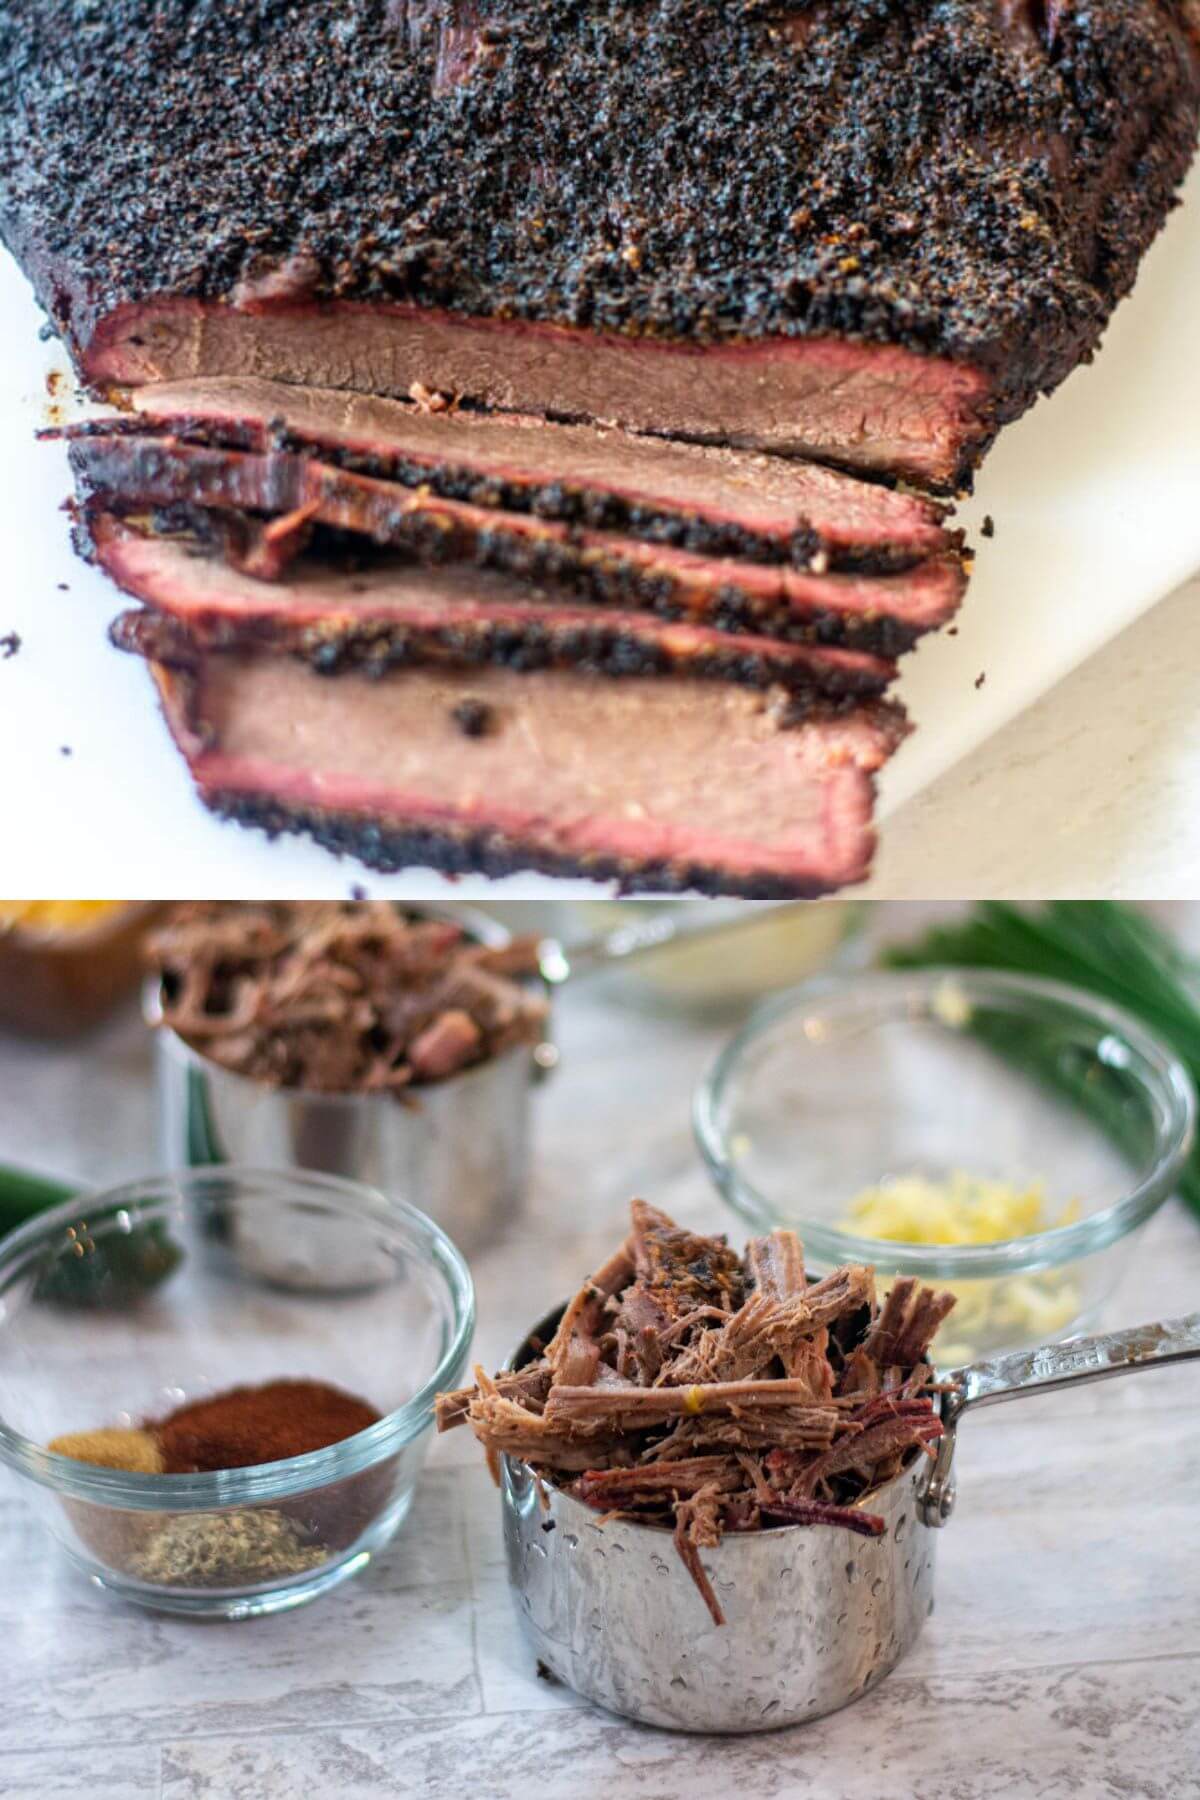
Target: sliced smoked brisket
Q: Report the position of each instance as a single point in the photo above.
(866, 230)
(379, 616)
(660, 785)
(714, 500)
(471, 353)
(887, 612)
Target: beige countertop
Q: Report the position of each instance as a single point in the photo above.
(1089, 794)
(1063, 1657)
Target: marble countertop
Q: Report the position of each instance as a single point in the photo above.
(1088, 794)
(1063, 1657)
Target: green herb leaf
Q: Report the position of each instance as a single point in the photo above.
(1103, 946)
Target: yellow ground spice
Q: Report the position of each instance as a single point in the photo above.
(112, 1447)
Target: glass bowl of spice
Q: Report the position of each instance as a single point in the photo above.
(998, 1135)
(246, 1430)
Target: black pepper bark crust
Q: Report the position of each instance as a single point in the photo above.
(224, 492)
(389, 848)
(601, 649)
(376, 648)
(563, 501)
(973, 178)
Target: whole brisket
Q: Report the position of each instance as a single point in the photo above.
(867, 230)
(474, 353)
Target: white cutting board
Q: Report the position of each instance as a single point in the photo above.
(1095, 497)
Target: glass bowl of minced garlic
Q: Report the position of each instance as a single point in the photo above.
(1003, 1137)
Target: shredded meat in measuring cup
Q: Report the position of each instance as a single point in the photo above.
(340, 996)
(691, 1388)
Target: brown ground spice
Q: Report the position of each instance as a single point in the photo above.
(248, 1425)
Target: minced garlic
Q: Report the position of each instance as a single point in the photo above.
(971, 1209)
(959, 1209)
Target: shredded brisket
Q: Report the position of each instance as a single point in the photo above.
(339, 997)
(725, 1427)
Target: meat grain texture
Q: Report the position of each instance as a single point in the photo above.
(339, 997)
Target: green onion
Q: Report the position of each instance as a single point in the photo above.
(1101, 945)
(22, 1195)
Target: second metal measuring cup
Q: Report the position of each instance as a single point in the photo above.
(458, 1149)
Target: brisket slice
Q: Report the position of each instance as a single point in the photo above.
(869, 232)
(720, 502)
(661, 785)
(388, 614)
(862, 406)
(130, 472)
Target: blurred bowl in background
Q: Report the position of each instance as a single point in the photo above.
(289, 1276)
(844, 1086)
(770, 947)
(64, 964)
(458, 1148)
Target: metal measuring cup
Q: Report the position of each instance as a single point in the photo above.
(459, 1149)
(815, 1615)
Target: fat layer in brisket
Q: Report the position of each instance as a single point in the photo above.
(661, 784)
(680, 1390)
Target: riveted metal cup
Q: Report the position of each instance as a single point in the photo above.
(814, 1616)
(459, 1150)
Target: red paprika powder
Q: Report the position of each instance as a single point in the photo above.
(248, 1425)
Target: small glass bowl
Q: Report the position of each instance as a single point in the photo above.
(120, 1307)
(839, 1087)
(771, 946)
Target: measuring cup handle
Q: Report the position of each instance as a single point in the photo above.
(1040, 1371)
(1078, 1360)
